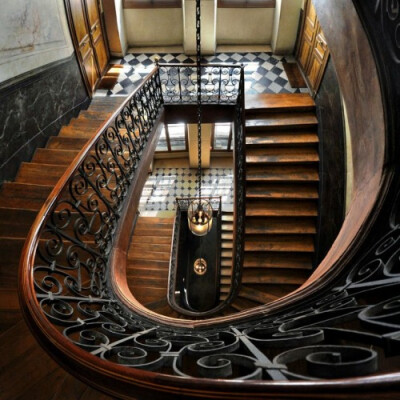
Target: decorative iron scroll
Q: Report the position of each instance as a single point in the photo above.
(390, 20)
(219, 83)
(350, 330)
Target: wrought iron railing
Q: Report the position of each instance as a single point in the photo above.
(220, 83)
(345, 325)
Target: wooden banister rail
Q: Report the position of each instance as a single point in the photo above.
(336, 337)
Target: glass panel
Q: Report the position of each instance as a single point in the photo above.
(162, 142)
(221, 136)
(177, 137)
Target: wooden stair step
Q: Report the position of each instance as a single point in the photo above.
(278, 260)
(54, 156)
(148, 281)
(162, 307)
(226, 263)
(155, 247)
(241, 304)
(155, 238)
(66, 143)
(156, 222)
(226, 271)
(282, 208)
(24, 195)
(271, 102)
(227, 217)
(146, 294)
(260, 139)
(281, 155)
(281, 121)
(77, 132)
(138, 254)
(21, 352)
(16, 223)
(226, 254)
(256, 295)
(280, 225)
(227, 227)
(95, 115)
(164, 232)
(285, 243)
(282, 191)
(282, 173)
(147, 264)
(274, 276)
(226, 236)
(111, 102)
(150, 273)
(67, 389)
(226, 245)
(40, 174)
(86, 123)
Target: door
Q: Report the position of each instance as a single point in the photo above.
(318, 59)
(308, 36)
(96, 34)
(313, 52)
(89, 41)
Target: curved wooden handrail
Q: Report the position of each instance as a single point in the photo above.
(372, 184)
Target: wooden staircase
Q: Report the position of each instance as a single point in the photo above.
(281, 196)
(226, 253)
(148, 263)
(27, 372)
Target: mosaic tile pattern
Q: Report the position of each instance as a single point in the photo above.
(264, 72)
(164, 185)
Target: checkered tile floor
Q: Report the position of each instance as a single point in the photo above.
(165, 184)
(264, 72)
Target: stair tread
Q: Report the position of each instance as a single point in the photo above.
(281, 155)
(24, 195)
(256, 295)
(284, 120)
(241, 304)
(284, 208)
(155, 238)
(16, 222)
(280, 225)
(274, 276)
(282, 173)
(277, 260)
(282, 190)
(281, 101)
(67, 143)
(296, 243)
(54, 156)
(280, 138)
(42, 174)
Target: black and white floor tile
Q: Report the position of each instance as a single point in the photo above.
(164, 185)
(264, 72)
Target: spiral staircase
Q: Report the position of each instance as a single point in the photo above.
(335, 336)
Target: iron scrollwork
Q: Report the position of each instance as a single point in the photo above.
(349, 330)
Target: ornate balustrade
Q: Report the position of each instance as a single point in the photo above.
(220, 83)
(337, 336)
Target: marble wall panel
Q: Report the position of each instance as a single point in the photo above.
(34, 109)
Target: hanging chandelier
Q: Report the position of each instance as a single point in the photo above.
(200, 212)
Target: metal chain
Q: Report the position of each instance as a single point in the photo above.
(198, 65)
